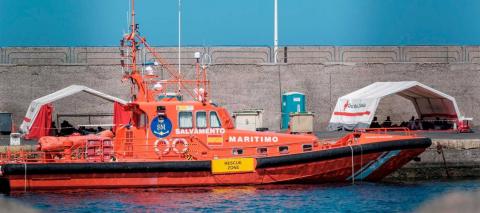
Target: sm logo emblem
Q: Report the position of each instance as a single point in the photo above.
(161, 127)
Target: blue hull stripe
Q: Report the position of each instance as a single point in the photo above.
(369, 164)
(374, 165)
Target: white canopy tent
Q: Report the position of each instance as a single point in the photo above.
(357, 109)
(36, 105)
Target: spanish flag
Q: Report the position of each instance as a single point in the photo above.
(214, 140)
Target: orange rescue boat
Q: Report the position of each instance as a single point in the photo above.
(170, 141)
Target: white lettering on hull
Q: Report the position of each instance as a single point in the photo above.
(252, 139)
(210, 131)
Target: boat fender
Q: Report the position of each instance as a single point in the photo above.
(180, 140)
(350, 142)
(157, 149)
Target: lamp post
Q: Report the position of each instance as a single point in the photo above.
(275, 31)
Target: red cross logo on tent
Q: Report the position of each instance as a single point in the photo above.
(345, 106)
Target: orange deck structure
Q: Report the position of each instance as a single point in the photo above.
(177, 137)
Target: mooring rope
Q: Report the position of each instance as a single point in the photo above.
(440, 151)
(25, 177)
(361, 159)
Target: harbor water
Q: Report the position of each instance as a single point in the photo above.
(360, 197)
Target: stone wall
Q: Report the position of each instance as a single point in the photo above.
(241, 86)
(243, 77)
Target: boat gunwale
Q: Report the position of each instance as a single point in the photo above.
(205, 165)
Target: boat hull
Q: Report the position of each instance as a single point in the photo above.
(369, 162)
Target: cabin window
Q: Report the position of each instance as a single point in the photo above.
(201, 120)
(214, 121)
(237, 151)
(283, 149)
(143, 120)
(140, 119)
(307, 147)
(185, 120)
(262, 150)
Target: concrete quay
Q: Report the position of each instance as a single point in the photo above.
(445, 159)
(451, 155)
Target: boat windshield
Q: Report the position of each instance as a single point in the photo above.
(214, 121)
(185, 120)
(201, 117)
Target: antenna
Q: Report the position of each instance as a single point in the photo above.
(146, 87)
(275, 31)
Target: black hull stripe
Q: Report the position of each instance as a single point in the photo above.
(107, 167)
(191, 166)
(343, 152)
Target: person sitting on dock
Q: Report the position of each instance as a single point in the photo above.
(375, 123)
(66, 128)
(387, 123)
(411, 124)
(418, 124)
(446, 125)
(82, 130)
(437, 124)
(426, 124)
(53, 129)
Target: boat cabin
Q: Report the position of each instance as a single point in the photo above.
(172, 129)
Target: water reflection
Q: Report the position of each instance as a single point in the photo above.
(360, 197)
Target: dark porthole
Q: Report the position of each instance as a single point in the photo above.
(283, 149)
(307, 147)
(237, 151)
(262, 150)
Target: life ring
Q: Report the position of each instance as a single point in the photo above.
(180, 140)
(157, 149)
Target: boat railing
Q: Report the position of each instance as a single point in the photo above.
(105, 150)
(393, 130)
(148, 152)
(80, 155)
(201, 149)
(27, 156)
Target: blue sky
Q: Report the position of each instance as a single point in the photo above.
(245, 22)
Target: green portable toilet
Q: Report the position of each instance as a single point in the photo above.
(291, 102)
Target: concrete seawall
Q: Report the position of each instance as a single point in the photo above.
(456, 159)
(240, 86)
(242, 77)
